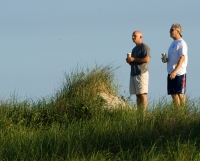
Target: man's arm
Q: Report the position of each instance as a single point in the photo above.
(180, 62)
(146, 59)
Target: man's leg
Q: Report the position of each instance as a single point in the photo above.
(182, 99)
(138, 101)
(176, 100)
(177, 85)
(142, 102)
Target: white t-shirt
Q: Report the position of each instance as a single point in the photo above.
(177, 49)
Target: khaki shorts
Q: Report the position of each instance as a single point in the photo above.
(139, 84)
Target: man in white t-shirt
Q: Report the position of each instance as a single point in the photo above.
(176, 66)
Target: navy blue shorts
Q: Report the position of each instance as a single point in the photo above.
(176, 85)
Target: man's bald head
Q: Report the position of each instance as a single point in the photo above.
(137, 37)
(138, 33)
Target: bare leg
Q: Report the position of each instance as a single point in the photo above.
(142, 102)
(182, 99)
(138, 101)
(176, 100)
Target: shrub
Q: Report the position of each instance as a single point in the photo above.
(79, 93)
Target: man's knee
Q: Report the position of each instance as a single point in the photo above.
(181, 95)
(141, 96)
(175, 96)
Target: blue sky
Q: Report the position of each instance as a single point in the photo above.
(40, 40)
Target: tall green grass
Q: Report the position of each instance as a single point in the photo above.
(72, 126)
(80, 92)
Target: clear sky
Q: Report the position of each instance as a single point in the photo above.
(42, 39)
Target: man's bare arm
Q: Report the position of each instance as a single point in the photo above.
(180, 62)
(146, 59)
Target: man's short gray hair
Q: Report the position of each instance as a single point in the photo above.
(177, 27)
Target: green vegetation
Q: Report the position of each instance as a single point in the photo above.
(73, 126)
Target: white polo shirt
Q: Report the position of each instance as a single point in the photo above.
(177, 49)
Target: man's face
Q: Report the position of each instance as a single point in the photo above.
(173, 32)
(136, 37)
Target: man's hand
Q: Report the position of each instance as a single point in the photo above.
(164, 61)
(172, 75)
(130, 59)
(146, 59)
(180, 62)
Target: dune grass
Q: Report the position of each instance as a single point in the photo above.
(72, 126)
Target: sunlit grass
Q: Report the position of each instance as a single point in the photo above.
(73, 126)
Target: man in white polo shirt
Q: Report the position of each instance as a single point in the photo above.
(176, 66)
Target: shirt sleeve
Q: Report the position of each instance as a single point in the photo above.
(182, 50)
(146, 51)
